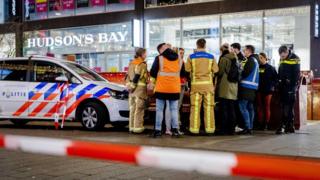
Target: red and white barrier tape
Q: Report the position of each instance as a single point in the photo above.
(207, 162)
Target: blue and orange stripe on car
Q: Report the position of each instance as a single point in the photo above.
(63, 97)
(49, 95)
(81, 95)
(32, 96)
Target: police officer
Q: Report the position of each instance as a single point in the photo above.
(202, 66)
(137, 86)
(289, 72)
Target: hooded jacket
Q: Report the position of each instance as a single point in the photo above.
(225, 88)
(171, 56)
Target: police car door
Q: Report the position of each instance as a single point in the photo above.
(46, 89)
(14, 88)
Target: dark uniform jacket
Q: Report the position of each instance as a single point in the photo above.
(268, 78)
(289, 73)
(245, 93)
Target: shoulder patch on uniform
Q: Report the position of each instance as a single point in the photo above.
(201, 55)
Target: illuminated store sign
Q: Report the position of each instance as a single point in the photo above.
(78, 40)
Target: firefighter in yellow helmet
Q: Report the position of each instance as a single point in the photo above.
(202, 66)
(136, 82)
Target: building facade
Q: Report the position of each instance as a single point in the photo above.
(102, 34)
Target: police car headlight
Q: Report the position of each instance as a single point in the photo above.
(118, 94)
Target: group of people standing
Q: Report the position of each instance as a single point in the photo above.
(230, 88)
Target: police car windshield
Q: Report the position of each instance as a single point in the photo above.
(85, 73)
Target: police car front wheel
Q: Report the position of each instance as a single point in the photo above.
(93, 116)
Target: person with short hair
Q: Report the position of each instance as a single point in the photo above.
(289, 73)
(227, 92)
(165, 75)
(247, 88)
(268, 78)
(236, 48)
(136, 82)
(202, 67)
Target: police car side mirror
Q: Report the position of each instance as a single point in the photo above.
(61, 79)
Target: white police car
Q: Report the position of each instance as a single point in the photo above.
(43, 88)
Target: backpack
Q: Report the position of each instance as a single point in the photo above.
(234, 74)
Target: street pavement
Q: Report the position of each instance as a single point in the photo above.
(19, 165)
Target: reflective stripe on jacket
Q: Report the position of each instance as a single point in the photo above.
(168, 79)
(252, 81)
(202, 67)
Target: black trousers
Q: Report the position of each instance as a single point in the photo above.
(288, 100)
(228, 115)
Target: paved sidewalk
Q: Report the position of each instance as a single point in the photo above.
(17, 165)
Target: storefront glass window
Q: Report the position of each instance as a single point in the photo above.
(119, 5)
(58, 8)
(155, 3)
(30, 10)
(160, 31)
(289, 27)
(42, 9)
(7, 45)
(90, 6)
(97, 47)
(244, 28)
(201, 27)
(2, 12)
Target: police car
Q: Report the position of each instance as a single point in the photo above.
(44, 88)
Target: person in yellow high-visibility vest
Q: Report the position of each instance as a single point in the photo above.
(137, 85)
(202, 67)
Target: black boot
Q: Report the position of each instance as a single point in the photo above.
(245, 132)
(157, 134)
(289, 130)
(280, 131)
(175, 133)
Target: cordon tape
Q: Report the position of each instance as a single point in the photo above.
(206, 162)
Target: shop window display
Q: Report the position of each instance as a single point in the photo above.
(155, 3)
(119, 5)
(288, 27)
(30, 10)
(266, 30)
(58, 8)
(90, 6)
(101, 48)
(201, 27)
(43, 9)
(159, 31)
(244, 28)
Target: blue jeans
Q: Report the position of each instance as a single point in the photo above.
(247, 111)
(173, 106)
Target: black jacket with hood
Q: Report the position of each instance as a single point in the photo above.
(171, 56)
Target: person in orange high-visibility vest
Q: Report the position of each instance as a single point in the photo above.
(136, 82)
(165, 75)
(202, 66)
